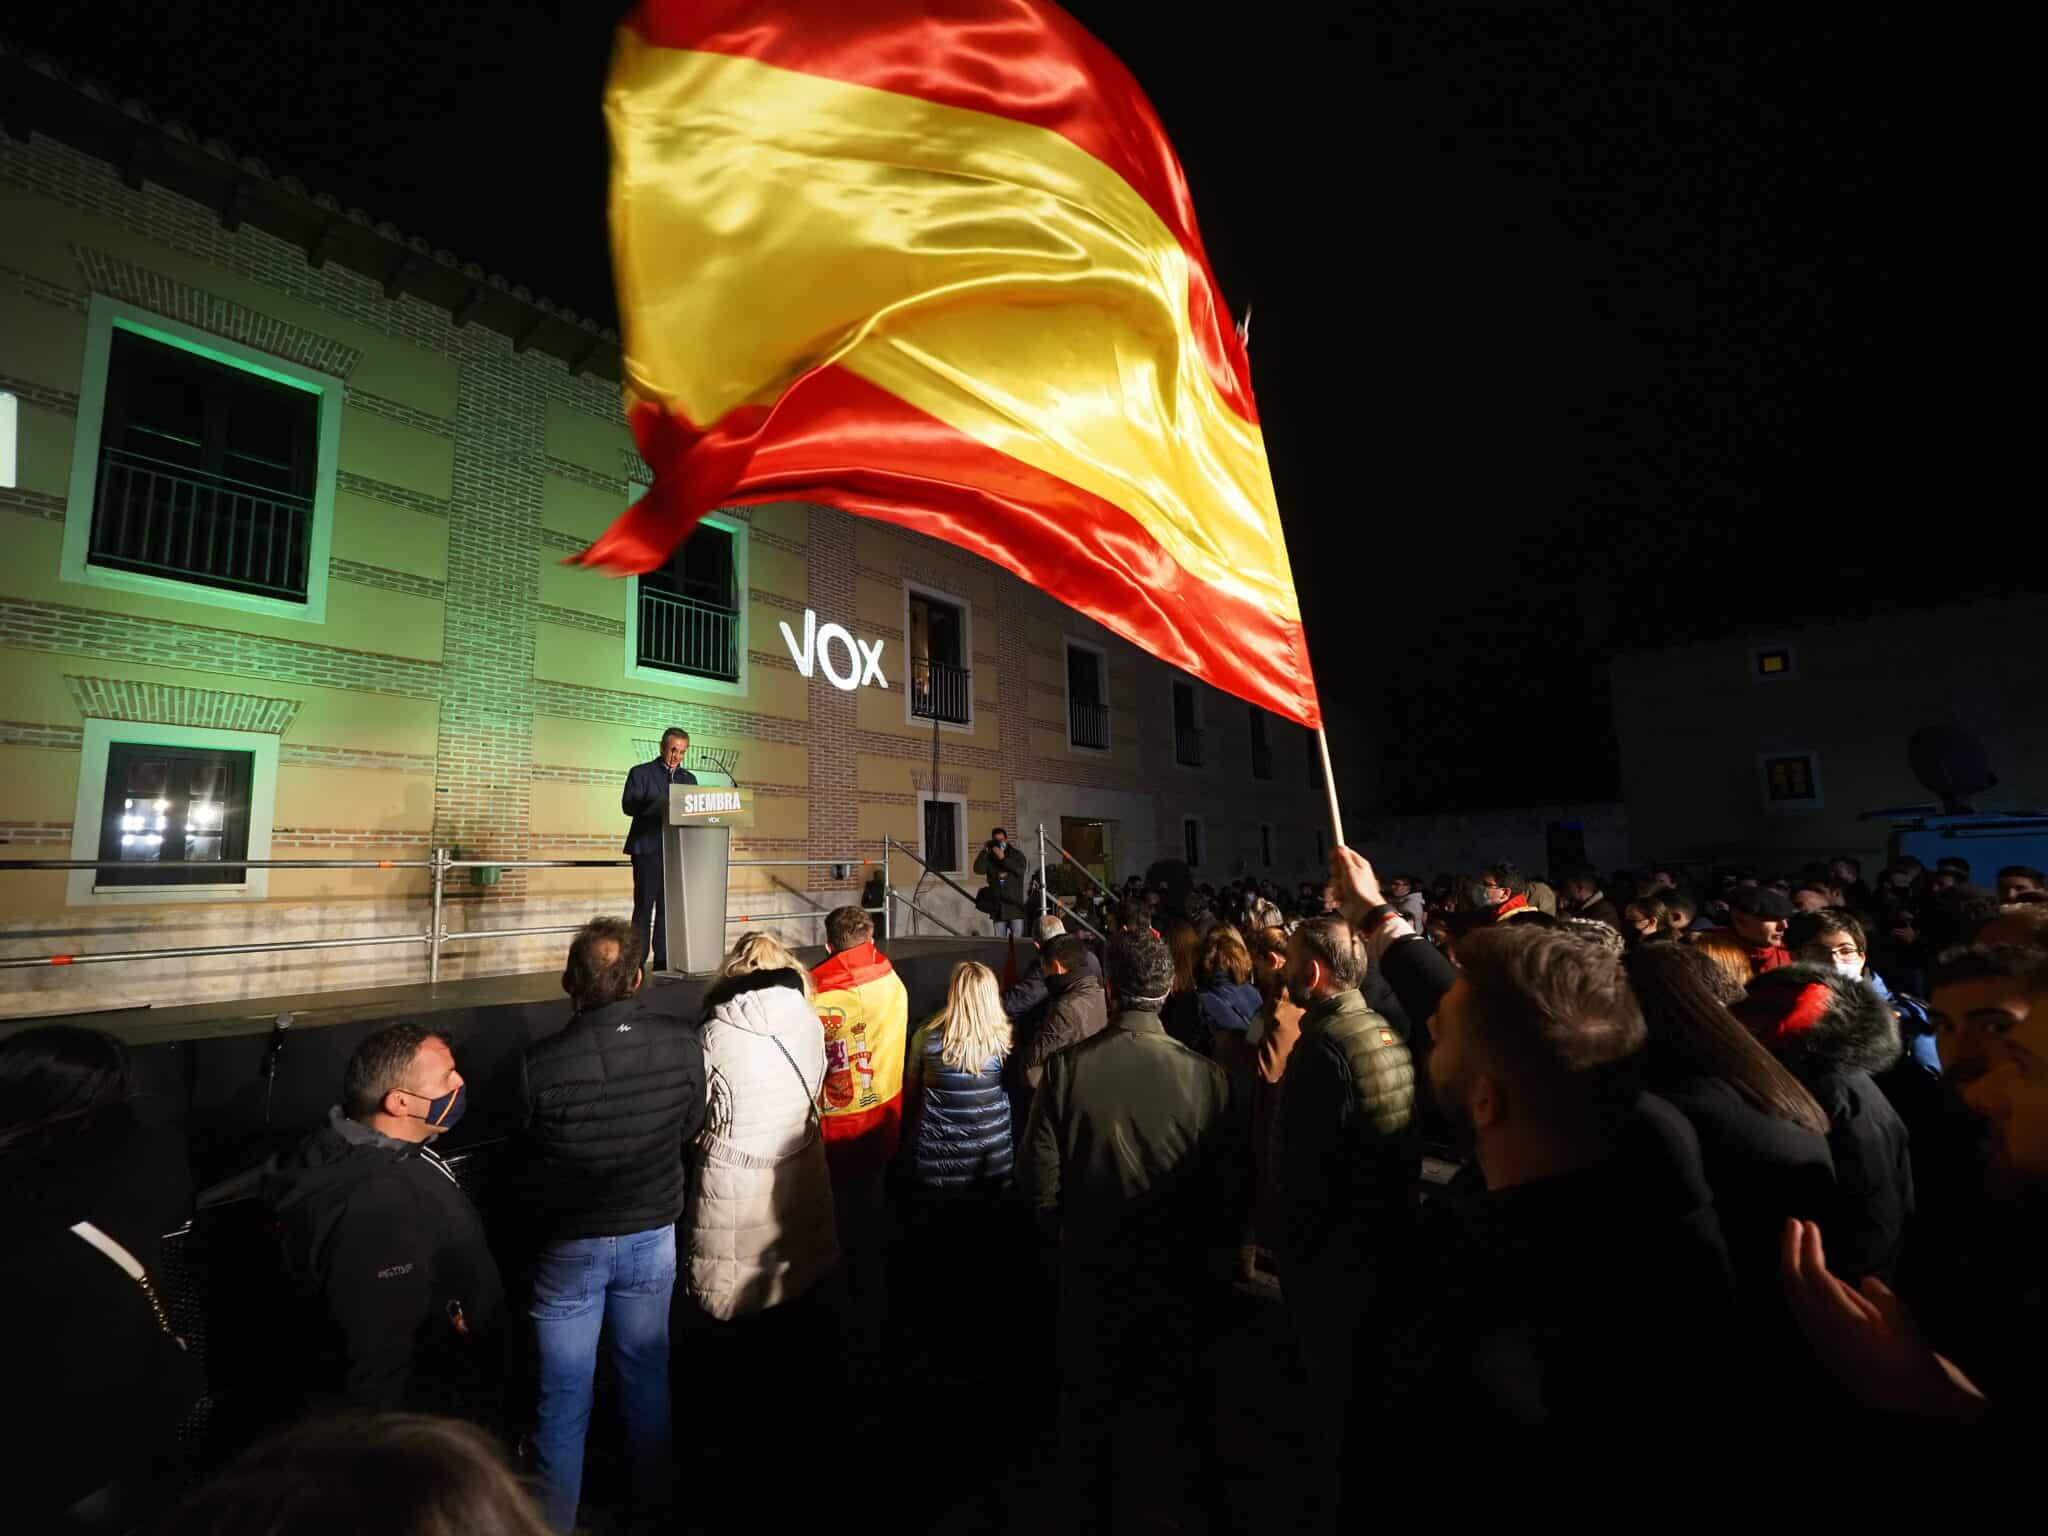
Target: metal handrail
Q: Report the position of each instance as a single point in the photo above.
(438, 935)
(1088, 724)
(209, 477)
(218, 949)
(1053, 844)
(930, 916)
(1045, 842)
(212, 510)
(918, 860)
(691, 636)
(941, 691)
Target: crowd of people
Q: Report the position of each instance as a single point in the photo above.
(1734, 1216)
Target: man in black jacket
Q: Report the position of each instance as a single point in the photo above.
(646, 800)
(1002, 864)
(1348, 1158)
(1576, 1303)
(607, 1106)
(381, 1240)
(1126, 1152)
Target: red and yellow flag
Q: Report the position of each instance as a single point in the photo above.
(935, 262)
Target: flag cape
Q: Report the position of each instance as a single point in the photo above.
(936, 263)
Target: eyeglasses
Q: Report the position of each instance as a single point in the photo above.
(1845, 952)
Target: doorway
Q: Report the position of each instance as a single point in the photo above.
(1092, 842)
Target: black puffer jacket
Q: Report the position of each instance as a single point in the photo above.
(608, 1106)
(1835, 1043)
(1348, 1147)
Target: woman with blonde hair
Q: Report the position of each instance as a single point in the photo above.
(759, 1229)
(957, 1128)
(954, 1106)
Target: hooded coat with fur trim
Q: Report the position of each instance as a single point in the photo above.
(1836, 1034)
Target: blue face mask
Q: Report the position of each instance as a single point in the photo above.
(444, 1112)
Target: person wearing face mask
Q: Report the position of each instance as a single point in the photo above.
(1005, 869)
(1970, 1369)
(388, 1256)
(1838, 939)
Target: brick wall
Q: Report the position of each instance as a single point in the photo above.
(834, 802)
(484, 689)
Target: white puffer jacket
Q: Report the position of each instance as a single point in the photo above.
(759, 1227)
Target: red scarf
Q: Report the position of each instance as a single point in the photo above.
(1769, 958)
(1517, 903)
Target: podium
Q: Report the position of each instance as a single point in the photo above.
(696, 848)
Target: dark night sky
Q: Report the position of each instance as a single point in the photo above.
(1575, 326)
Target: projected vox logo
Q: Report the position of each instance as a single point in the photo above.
(863, 660)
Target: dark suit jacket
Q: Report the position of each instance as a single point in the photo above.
(646, 801)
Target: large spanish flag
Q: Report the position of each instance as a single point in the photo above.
(935, 262)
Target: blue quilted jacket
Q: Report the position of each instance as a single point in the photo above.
(962, 1137)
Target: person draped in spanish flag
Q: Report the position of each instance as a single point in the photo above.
(865, 1011)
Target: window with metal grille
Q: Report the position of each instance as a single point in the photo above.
(205, 471)
(689, 620)
(1191, 842)
(171, 810)
(1262, 747)
(941, 686)
(942, 834)
(1087, 698)
(1187, 726)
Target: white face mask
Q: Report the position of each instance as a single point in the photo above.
(1852, 966)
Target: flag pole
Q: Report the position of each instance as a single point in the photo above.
(1330, 786)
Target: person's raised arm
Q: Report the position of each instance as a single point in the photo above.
(1419, 975)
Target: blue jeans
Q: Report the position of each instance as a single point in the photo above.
(1010, 927)
(577, 1285)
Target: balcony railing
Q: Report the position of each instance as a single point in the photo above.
(941, 692)
(1088, 724)
(681, 634)
(1187, 746)
(162, 519)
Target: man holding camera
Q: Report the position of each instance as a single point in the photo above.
(1002, 898)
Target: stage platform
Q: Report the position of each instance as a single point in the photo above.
(208, 1067)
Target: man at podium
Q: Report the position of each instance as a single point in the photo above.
(646, 801)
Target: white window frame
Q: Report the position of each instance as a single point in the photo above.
(1101, 656)
(82, 887)
(682, 682)
(10, 438)
(926, 590)
(945, 797)
(1173, 681)
(1789, 807)
(103, 318)
(1201, 840)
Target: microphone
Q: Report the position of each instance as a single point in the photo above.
(278, 1027)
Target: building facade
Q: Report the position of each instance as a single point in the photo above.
(285, 580)
(1768, 749)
